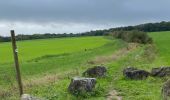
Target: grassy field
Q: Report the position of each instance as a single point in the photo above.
(48, 65)
(32, 49)
(50, 57)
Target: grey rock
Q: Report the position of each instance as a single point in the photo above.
(161, 72)
(97, 71)
(29, 97)
(134, 73)
(166, 90)
(80, 85)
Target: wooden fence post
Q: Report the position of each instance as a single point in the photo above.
(15, 51)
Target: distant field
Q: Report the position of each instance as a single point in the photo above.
(36, 48)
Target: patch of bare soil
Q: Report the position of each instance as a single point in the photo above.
(113, 95)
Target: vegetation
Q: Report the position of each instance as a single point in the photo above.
(21, 37)
(29, 50)
(35, 68)
(48, 75)
(149, 89)
(132, 36)
(148, 27)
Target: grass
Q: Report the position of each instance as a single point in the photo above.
(149, 89)
(65, 64)
(48, 75)
(162, 41)
(32, 49)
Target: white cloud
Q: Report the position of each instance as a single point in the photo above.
(32, 28)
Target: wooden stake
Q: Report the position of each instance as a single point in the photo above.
(15, 51)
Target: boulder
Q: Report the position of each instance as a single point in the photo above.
(133, 73)
(81, 85)
(29, 97)
(166, 90)
(161, 72)
(97, 71)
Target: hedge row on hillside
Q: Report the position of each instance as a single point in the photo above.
(132, 36)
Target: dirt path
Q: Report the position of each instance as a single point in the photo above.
(113, 95)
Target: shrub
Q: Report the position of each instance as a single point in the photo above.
(132, 36)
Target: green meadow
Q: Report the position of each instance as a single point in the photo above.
(48, 65)
(32, 49)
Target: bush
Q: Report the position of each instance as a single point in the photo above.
(132, 36)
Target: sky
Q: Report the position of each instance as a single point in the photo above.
(74, 16)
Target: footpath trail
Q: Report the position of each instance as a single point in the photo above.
(113, 95)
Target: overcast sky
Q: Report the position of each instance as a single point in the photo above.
(59, 16)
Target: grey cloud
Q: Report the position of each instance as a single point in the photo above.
(118, 11)
(89, 12)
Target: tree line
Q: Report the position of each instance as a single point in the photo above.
(21, 37)
(148, 27)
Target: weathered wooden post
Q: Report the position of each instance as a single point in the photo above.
(15, 51)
